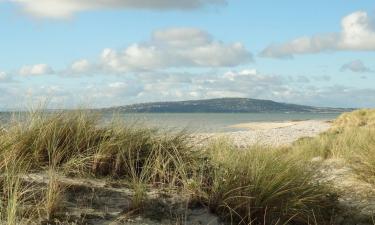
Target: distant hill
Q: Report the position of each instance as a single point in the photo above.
(221, 105)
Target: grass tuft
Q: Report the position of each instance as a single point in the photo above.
(351, 138)
(264, 186)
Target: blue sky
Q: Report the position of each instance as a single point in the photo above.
(114, 52)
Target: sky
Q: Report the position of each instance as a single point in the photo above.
(102, 53)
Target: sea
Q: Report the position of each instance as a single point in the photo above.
(218, 122)
(206, 122)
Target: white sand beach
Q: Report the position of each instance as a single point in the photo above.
(270, 133)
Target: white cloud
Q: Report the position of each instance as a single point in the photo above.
(35, 70)
(357, 34)
(230, 75)
(81, 66)
(167, 49)
(176, 47)
(66, 8)
(356, 66)
(303, 45)
(182, 37)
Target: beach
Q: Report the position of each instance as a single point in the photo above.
(269, 133)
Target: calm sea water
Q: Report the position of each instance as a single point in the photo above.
(208, 122)
(218, 122)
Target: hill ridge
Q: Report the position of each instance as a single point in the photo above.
(222, 105)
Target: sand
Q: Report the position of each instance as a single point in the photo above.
(265, 125)
(269, 133)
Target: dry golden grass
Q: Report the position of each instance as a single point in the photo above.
(260, 185)
(79, 143)
(352, 138)
(358, 118)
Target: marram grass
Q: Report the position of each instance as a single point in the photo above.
(351, 138)
(259, 185)
(79, 144)
(358, 118)
(264, 186)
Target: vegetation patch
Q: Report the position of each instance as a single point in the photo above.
(258, 185)
(351, 138)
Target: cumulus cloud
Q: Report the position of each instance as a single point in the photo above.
(166, 49)
(356, 66)
(58, 9)
(176, 47)
(81, 66)
(35, 70)
(357, 34)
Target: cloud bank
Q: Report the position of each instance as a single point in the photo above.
(182, 48)
(357, 34)
(166, 86)
(176, 47)
(59, 9)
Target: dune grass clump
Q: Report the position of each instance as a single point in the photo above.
(79, 143)
(351, 138)
(356, 134)
(357, 118)
(260, 185)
